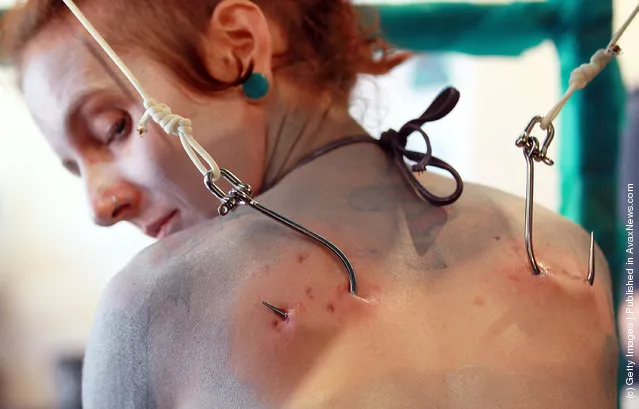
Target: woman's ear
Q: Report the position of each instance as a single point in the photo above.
(238, 36)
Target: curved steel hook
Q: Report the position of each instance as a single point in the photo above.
(532, 154)
(241, 194)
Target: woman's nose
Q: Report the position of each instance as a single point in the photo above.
(114, 205)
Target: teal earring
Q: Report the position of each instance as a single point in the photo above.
(256, 86)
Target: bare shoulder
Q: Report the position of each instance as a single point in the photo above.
(206, 249)
(212, 257)
(136, 311)
(553, 233)
(170, 309)
(485, 216)
(172, 269)
(514, 207)
(116, 365)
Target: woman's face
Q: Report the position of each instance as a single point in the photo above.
(88, 112)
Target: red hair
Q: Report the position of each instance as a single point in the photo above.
(326, 37)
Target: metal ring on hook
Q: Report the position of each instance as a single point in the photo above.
(539, 155)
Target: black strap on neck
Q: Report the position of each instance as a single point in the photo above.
(394, 143)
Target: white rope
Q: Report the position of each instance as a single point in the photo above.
(585, 73)
(171, 123)
(174, 124)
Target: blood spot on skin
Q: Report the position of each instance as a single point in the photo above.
(497, 238)
(303, 256)
(330, 307)
(479, 300)
(278, 324)
(309, 293)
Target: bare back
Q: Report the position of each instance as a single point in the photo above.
(448, 313)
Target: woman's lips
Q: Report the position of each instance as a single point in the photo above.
(162, 227)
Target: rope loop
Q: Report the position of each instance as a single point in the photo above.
(177, 125)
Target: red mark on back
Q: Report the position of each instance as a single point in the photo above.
(330, 307)
(479, 300)
(278, 325)
(309, 293)
(303, 256)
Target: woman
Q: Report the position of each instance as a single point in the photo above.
(448, 312)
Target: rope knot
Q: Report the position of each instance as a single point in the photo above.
(171, 123)
(585, 73)
(579, 78)
(181, 127)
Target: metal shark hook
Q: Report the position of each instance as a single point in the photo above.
(241, 194)
(532, 154)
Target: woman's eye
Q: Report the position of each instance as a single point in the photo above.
(119, 130)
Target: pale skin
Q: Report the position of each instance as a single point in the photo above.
(448, 313)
